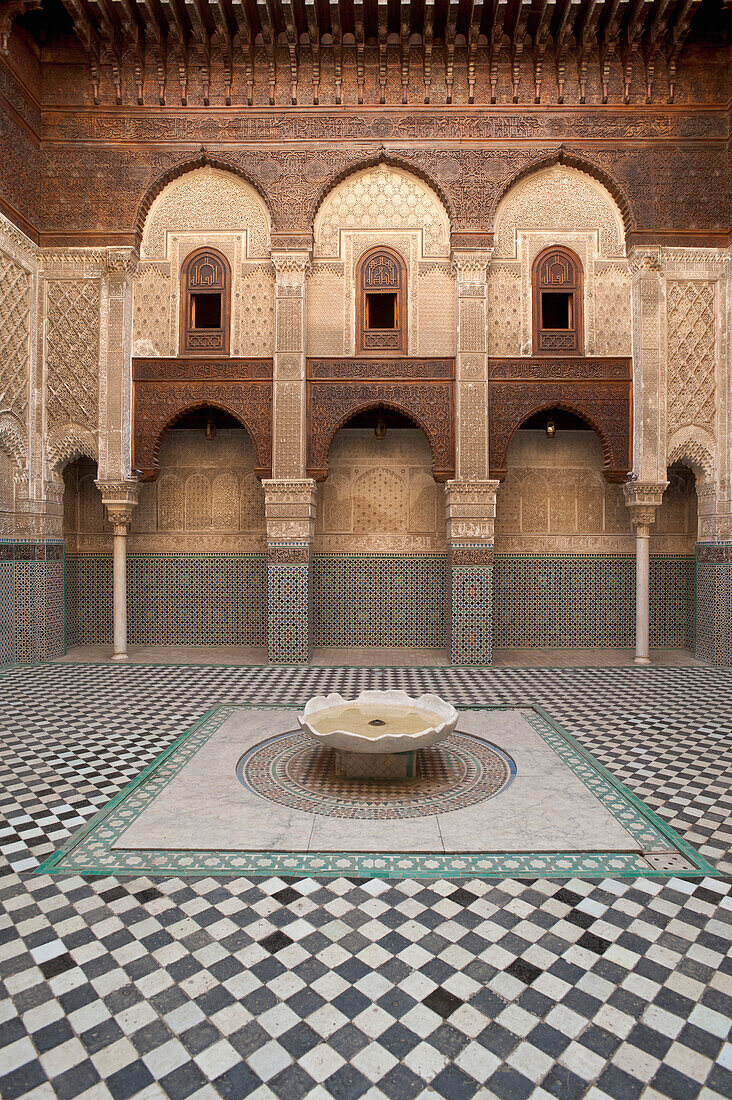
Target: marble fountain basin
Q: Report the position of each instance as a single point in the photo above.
(383, 726)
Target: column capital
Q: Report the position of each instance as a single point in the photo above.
(471, 512)
(119, 499)
(644, 261)
(289, 508)
(471, 268)
(121, 261)
(290, 267)
(642, 498)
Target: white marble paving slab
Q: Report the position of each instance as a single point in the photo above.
(545, 808)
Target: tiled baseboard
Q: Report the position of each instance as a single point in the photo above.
(393, 600)
(31, 601)
(589, 601)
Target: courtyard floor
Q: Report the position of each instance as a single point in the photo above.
(354, 986)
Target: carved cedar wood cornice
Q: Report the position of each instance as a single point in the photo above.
(300, 53)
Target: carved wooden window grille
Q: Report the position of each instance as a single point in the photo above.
(381, 313)
(205, 303)
(556, 286)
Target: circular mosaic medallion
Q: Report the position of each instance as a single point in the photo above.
(297, 772)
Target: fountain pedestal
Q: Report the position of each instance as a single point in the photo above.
(376, 765)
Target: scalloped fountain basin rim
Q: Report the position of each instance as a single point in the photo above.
(374, 721)
(378, 721)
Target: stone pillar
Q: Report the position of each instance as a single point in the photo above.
(119, 499)
(471, 513)
(643, 498)
(288, 434)
(649, 399)
(115, 365)
(471, 406)
(289, 506)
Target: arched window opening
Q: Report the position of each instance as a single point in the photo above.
(381, 303)
(205, 298)
(557, 300)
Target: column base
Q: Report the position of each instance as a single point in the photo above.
(119, 657)
(642, 661)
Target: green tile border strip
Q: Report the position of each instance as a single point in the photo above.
(90, 851)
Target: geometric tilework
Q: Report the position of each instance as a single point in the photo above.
(714, 608)
(172, 600)
(357, 987)
(589, 601)
(89, 599)
(32, 597)
(472, 618)
(385, 600)
(380, 600)
(289, 597)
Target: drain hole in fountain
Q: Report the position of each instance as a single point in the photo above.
(377, 722)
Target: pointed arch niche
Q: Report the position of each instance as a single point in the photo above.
(380, 560)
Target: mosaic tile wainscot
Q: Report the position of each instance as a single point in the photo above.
(380, 600)
(714, 602)
(578, 601)
(186, 599)
(31, 601)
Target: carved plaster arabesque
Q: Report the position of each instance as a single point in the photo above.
(691, 348)
(382, 197)
(558, 200)
(15, 328)
(202, 200)
(72, 351)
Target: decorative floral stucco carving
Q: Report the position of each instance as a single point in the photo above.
(380, 495)
(206, 199)
(695, 447)
(382, 197)
(152, 311)
(12, 439)
(691, 353)
(254, 306)
(15, 307)
(72, 351)
(557, 199)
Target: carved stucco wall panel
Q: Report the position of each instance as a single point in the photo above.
(555, 500)
(253, 308)
(72, 352)
(611, 331)
(205, 207)
(202, 200)
(504, 309)
(435, 323)
(326, 327)
(15, 327)
(206, 500)
(691, 344)
(557, 200)
(153, 315)
(382, 197)
(380, 496)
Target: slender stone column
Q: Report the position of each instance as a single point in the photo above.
(643, 498)
(471, 513)
(289, 506)
(119, 499)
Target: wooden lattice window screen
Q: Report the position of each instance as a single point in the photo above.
(557, 302)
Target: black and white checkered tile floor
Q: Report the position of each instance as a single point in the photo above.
(346, 989)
